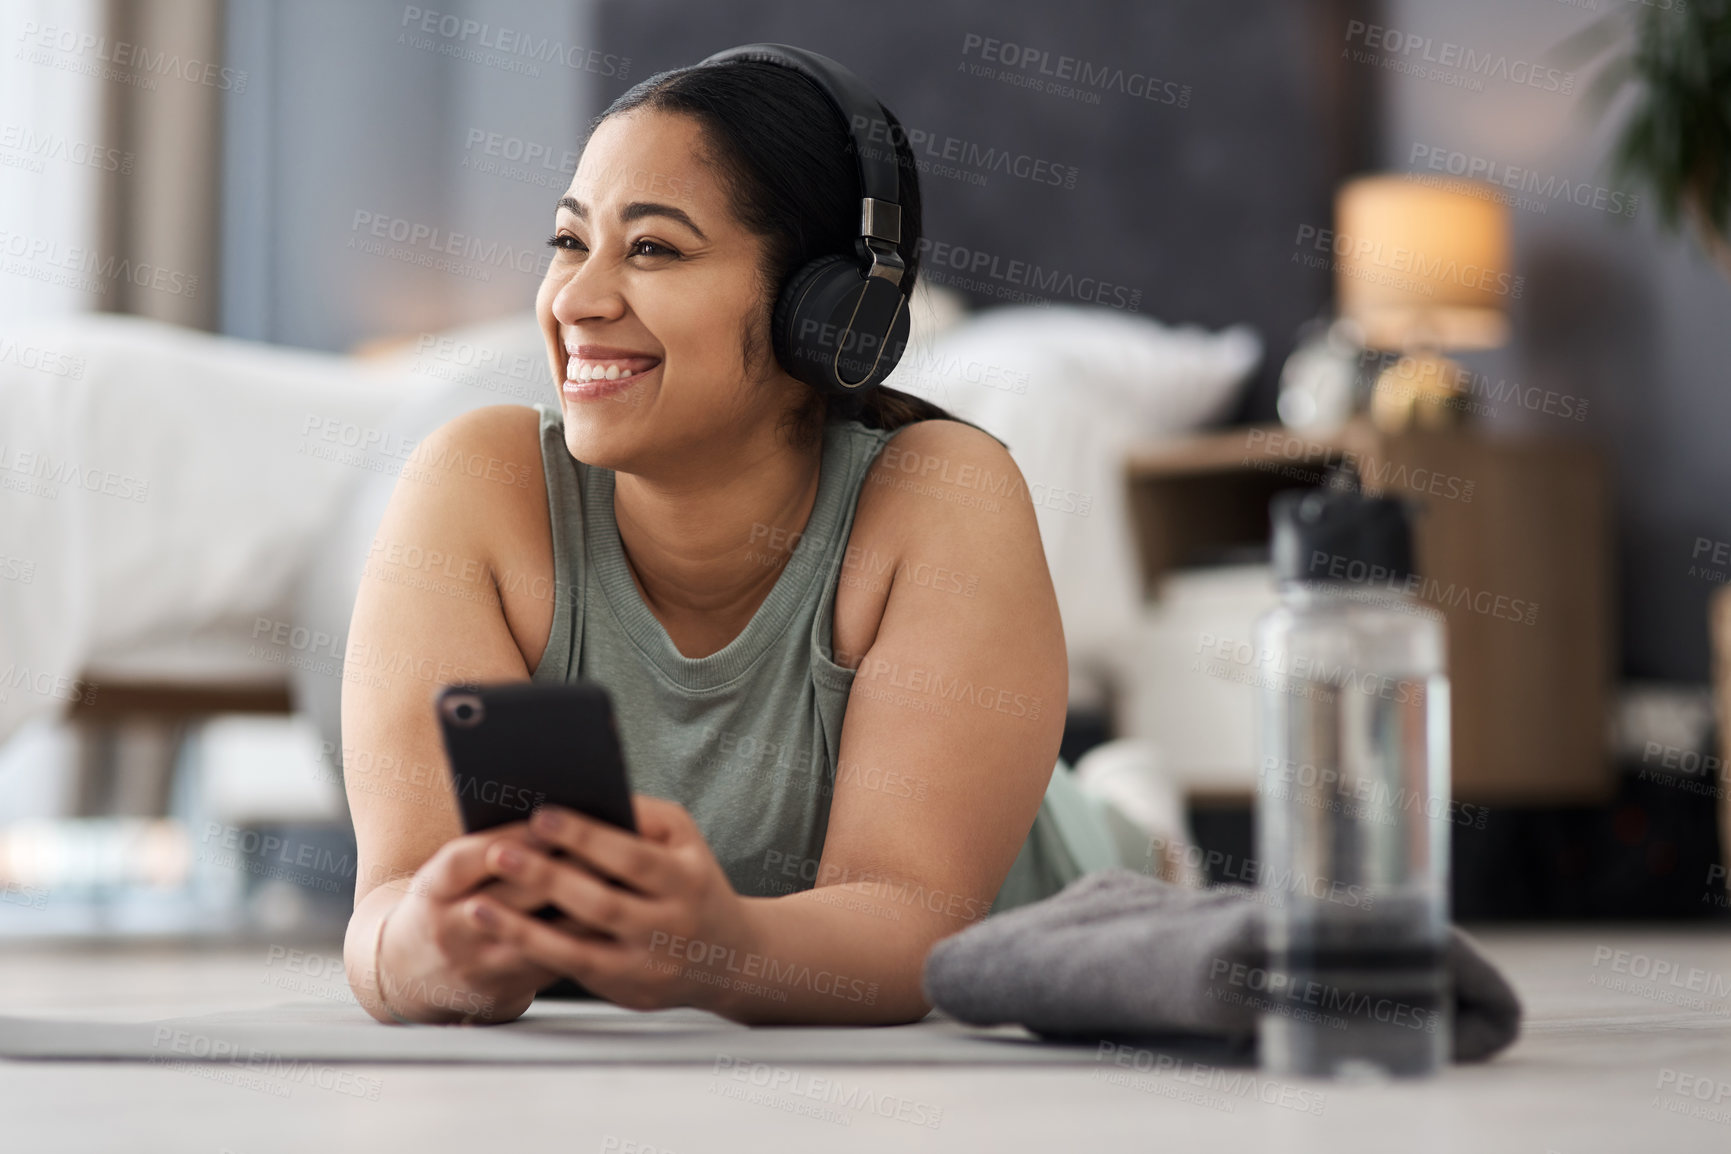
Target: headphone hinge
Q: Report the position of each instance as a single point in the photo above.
(886, 262)
(881, 220)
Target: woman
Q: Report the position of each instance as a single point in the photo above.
(841, 750)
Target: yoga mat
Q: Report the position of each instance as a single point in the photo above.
(557, 1033)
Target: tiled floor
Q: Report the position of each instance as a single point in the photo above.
(1610, 1060)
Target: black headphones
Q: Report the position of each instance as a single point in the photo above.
(841, 322)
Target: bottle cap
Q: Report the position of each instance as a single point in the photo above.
(1340, 536)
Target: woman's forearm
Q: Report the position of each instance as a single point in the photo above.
(847, 954)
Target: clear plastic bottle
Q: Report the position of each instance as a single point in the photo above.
(1353, 800)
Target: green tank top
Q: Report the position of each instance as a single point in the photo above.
(748, 738)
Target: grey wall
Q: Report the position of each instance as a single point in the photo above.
(1635, 322)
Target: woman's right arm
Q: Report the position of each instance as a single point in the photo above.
(470, 505)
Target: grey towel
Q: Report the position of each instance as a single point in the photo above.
(1119, 954)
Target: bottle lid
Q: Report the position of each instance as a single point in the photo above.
(1340, 536)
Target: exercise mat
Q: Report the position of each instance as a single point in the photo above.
(550, 1033)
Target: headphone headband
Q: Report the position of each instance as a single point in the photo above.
(880, 181)
(840, 324)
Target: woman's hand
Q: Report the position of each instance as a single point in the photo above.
(433, 963)
(639, 939)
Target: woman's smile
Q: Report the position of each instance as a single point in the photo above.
(594, 371)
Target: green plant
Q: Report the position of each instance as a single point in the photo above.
(1677, 138)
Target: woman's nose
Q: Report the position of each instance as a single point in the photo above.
(589, 292)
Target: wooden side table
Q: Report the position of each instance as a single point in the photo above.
(150, 719)
(1513, 543)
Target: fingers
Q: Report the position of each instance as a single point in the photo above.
(460, 865)
(590, 901)
(660, 820)
(513, 894)
(575, 956)
(641, 864)
(566, 924)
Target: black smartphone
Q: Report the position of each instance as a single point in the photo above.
(519, 746)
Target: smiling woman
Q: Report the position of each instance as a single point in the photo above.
(826, 621)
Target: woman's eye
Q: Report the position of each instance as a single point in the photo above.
(647, 248)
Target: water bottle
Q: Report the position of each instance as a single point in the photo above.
(1352, 797)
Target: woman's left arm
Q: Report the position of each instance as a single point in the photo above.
(951, 734)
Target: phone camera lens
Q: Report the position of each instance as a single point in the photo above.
(462, 709)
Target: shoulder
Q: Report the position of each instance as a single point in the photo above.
(474, 496)
(943, 510)
(948, 519)
(477, 460)
(476, 478)
(946, 474)
(493, 432)
(954, 437)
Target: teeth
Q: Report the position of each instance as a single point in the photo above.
(594, 371)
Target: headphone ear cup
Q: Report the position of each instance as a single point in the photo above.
(794, 314)
(813, 313)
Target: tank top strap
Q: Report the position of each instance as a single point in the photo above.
(826, 547)
(560, 659)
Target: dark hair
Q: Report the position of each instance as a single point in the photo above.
(788, 164)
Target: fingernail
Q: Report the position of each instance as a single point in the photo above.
(546, 821)
(484, 914)
(510, 858)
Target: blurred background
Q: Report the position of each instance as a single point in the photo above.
(1179, 256)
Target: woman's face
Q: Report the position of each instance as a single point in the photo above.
(652, 289)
